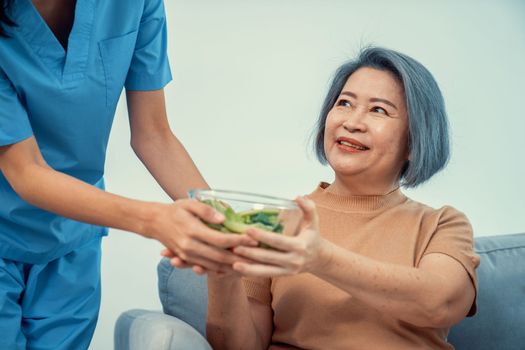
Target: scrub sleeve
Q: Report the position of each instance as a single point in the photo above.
(14, 122)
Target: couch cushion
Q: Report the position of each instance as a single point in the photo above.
(499, 323)
(183, 294)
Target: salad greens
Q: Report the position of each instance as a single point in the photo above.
(264, 219)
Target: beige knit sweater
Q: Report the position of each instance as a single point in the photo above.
(310, 313)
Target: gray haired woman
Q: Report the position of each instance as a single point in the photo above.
(370, 268)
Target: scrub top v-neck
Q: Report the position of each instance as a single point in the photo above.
(66, 99)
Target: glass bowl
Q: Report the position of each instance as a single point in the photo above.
(244, 210)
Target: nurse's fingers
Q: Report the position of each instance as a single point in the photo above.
(224, 240)
(167, 253)
(203, 211)
(201, 265)
(208, 265)
(181, 264)
(199, 270)
(191, 249)
(213, 237)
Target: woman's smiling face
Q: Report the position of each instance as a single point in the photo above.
(366, 134)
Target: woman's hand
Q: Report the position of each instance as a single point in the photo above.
(292, 255)
(179, 228)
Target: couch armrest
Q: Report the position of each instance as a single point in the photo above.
(153, 330)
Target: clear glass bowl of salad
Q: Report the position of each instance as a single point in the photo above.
(243, 210)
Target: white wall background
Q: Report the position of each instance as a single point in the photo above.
(249, 78)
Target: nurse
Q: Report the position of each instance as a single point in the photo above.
(63, 65)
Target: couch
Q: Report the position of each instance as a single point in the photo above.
(499, 323)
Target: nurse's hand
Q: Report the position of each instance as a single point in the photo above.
(199, 270)
(179, 228)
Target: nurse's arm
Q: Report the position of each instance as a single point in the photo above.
(157, 147)
(175, 225)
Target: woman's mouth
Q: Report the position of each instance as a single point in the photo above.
(350, 145)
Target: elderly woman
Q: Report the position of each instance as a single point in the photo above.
(370, 268)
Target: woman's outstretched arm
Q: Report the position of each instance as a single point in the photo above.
(438, 293)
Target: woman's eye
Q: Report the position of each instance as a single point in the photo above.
(379, 110)
(344, 103)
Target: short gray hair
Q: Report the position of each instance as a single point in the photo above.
(427, 119)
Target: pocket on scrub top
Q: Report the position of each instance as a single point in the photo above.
(116, 54)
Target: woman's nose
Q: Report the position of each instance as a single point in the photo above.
(355, 121)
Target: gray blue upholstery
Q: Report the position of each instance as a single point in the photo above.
(499, 323)
(183, 294)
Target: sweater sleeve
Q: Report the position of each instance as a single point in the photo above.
(454, 237)
(258, 289)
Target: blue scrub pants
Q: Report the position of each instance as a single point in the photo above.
(51, 306)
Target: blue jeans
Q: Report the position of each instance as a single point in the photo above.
(53, 305)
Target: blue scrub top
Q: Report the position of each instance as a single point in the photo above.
(67, 100)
